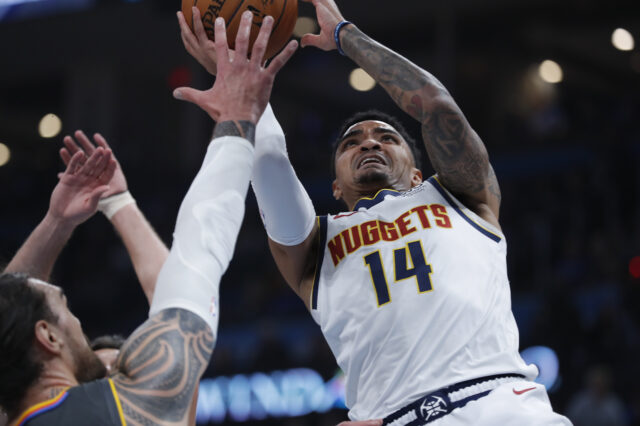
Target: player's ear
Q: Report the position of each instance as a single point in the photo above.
(337, 191)
(416, 177)
(48, 337)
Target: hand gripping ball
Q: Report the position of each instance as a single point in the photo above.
(284, 13)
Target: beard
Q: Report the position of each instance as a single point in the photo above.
(88, 366)
(373, 177)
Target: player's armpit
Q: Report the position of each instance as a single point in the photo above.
(160, 366)
(297, 264)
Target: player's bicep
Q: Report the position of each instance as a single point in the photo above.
(160, 365)
(460, 158)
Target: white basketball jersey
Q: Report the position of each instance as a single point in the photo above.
(412, 295)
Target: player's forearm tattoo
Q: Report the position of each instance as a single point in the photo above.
(161, 365)
(242, 128)
(455, 150)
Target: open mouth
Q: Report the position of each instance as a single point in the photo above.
(371, 161)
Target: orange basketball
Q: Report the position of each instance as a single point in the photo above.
(284, 13)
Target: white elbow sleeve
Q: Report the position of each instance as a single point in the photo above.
(285, 207)
(206, 231)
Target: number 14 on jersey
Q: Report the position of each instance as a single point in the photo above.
(419, 269)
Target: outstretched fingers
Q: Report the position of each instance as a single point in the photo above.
(188, 39)
(244, 32)
(198, 28)
(71, 145)
(101, 141)
(283, 57)
(261, 43)
(65, 156)
(96, 163)
(222, 47)
(108, 172)
(75, 163)
(84, 142)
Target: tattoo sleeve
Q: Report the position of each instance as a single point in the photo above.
(160, 366)
(242, 128)
(455, 150)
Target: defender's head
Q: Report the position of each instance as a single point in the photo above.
(38, 332)
(373, 152)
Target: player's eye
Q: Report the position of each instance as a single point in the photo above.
(349, 144)
(389, 138)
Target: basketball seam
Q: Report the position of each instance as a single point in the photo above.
(284, 9)
(235, 12)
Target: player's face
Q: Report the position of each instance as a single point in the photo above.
(86, 365)
(372, 156)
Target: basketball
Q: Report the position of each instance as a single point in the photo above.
(284, 13)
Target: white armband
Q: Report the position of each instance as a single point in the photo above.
(285, 207)
(111, 205)
(206, 232)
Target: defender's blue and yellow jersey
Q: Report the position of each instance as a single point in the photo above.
(95, 404)
(411, 293)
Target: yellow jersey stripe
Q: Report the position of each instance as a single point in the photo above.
(117, 399)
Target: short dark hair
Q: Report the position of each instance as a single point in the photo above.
(21, 307)
(112, 341)
(374, 115)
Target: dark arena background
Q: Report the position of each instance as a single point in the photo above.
(552, 87)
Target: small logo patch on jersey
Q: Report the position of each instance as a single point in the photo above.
(433, 407)
(520, 392)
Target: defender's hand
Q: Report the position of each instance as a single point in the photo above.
(197, 42)
(329, 17)
(75, 197)
(118, 183)
(243, 86)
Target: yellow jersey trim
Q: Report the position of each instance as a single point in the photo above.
(377, 193)
(117, 399)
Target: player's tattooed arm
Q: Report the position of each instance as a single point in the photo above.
(455, 150)
(241, 128)
(160, 366)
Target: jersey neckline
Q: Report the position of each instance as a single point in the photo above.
(368, 202)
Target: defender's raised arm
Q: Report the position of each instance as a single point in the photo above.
(163, 360)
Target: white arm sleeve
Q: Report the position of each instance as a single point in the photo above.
(206, 231)
(285, 207)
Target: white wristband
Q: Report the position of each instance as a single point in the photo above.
(111, 205)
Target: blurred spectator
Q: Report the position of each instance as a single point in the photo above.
(597, 405)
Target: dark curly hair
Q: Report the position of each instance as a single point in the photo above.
(110, 341)
(21, 307)
(374, 115)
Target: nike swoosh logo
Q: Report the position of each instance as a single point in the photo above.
(522, 391)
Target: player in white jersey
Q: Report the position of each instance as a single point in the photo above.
(409, 286)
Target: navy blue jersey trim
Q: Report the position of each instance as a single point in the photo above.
(433, 181)
(367, 203)
(322, 242)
